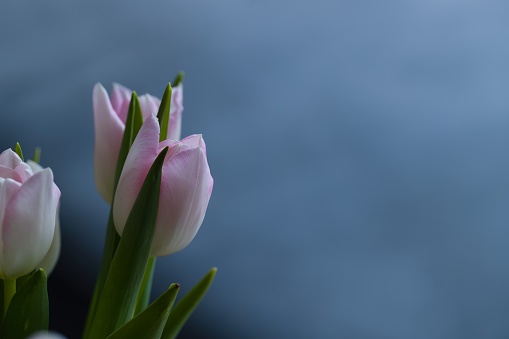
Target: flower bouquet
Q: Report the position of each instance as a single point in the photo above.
(158, 187)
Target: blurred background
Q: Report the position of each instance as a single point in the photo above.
(360, 151)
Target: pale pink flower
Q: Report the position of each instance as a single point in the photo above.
(28, 214)
(186, 186)
(110, 114)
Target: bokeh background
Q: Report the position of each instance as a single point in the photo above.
(360, 151)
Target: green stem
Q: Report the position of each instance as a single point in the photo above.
(9, 291)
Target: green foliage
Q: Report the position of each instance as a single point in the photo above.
(186, 306)
(178, 79)
(149, 324)
(163, 115)
(28, 311)
(18, 151)
(118, 299)
(37, 155)
(134, 122)
(146, 286)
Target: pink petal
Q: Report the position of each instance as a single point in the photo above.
(8, 188)
(9, 158)
(185, 193)
(149, 105)
(34, 166)
(24, 171)
(176, 109)
(120, 100)
(195, 140)
(29, 224)
(10, 173)
(109, 130)
(50, 260)
(142, 154)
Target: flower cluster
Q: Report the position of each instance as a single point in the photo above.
(158, 186)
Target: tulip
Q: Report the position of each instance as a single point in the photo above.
(186, 186)
(28, 212)
(110, 116)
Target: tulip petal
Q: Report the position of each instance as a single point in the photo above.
(185, 193)
(8, 188)
(24, 171)
(46, 335)
(138, 162)
(34, 166)
(120, 99)
(9, 173)
(195, 140)
(50, 260)
(29, 224)
(10, 159)
(109, 130)
(176, 109)
(149, 105)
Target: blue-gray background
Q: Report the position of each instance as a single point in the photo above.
(360, 151)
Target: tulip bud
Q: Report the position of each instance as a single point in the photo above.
(110, 116)
(186, 186)
(28, 212)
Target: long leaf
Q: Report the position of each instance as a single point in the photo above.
(149, 324)
(118, 299)
(18, 151)
(163, 115)
(185, 307)
(178, 79)
(133, 124)
(146, 286)
(28, 310)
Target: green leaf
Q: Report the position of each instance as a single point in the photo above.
(118, 299)
(28, 310)
(184, 308)
(110, 245)
(37, 155)
(163, 115)
(21, 280)
(18, 151)
(132, 127)
(149, 324)
(134, 121)
(146, 286)
(1, 299)
(178, 79)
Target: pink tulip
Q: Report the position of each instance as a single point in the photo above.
(28, 212)
(110, 115)
(186, 186)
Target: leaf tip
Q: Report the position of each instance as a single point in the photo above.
(179, 79)
(18, 151)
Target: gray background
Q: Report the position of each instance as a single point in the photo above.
(360, 151)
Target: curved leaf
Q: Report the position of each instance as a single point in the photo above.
(28, 310)
(185, 307)
(149, 324)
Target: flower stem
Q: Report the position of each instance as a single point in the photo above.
(9, 291)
